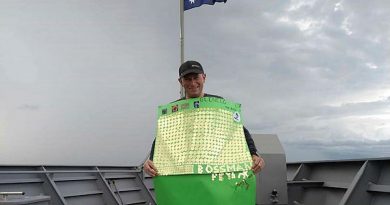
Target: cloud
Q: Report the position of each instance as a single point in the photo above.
(333, 150)
(29, 107)
(302, 69)
(309, 71)
(337, 131)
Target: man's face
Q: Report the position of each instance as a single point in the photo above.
(193, 84)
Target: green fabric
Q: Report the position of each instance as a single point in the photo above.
(202, 190)
(201, 154)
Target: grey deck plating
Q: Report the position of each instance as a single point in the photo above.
(347, 182)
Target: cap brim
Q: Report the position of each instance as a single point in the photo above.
(197, 71)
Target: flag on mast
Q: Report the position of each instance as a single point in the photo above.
(189, 4)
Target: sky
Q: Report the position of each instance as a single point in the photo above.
(80, 81)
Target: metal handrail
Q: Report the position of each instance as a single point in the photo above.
(4, 194)
(69, 171)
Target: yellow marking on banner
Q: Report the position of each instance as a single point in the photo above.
(204, 136)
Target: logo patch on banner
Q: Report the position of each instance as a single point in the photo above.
(175, 108)
(184, 106)
(164, 111)
(236, 117)
(196, 104)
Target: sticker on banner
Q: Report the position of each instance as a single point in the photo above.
(164, 111)
(196, 104)
(184, 106)
(236, 117)
(175, 108)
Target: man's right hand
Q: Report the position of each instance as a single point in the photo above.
(149, 168)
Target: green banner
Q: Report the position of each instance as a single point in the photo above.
(205, 189)
(201, 154)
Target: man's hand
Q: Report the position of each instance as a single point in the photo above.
(149, 168)
(258, 164)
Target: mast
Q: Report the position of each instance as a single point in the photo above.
(182, 92)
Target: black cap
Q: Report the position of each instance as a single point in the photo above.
(190, 67)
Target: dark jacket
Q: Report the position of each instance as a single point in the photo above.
(248, 137)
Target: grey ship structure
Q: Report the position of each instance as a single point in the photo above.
(348, 182)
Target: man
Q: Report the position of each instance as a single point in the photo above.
(192, 78)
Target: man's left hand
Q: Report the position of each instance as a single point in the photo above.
(258, 164)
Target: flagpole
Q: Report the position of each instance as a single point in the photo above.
(182, 94)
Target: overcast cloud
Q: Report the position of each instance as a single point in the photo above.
(80, 81)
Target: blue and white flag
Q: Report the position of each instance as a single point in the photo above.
(189, 4)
